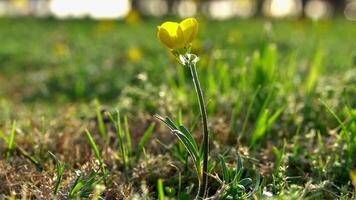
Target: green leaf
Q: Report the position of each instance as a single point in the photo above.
(77, 186)
(186, 132)
(188, 145)
(225, 170)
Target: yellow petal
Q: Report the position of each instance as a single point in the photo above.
(164, 37)
(171, 35)
(189, 27)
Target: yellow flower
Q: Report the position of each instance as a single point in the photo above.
(60, 49)
(134, 54)
(353, 177)
(190, 29)
(178, 35)
(133, 18)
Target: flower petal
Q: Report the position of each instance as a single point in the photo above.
(179, 40)
(171, 35)
(189, 27)
(164, 37)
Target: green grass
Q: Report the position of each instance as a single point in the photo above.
(280, 97)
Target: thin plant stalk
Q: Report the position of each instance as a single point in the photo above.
(204, 183)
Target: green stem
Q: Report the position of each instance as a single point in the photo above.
(204, 183)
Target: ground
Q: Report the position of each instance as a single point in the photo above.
(280, 95)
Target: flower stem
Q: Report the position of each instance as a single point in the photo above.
(204, 183)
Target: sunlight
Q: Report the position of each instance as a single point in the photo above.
(3, 8)
(245, 8)
(153, 7)
(186, 8)
(109, 9)
(350, 11)
(282, 8)
(19, 7)
(317, 9)
(20, 4)
(97, 9)
(226, 9)
(221, 10)
(40, 8)
(68, 8)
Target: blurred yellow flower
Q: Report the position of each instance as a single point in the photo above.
(178, 35)
(20, 3)
(133, 18)
(60, 49)
(353, 177)
(104, 26)
(134, 54)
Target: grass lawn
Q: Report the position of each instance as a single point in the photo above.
(78, 99)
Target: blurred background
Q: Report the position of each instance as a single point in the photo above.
(70, 50)
(215, 9)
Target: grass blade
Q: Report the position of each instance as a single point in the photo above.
(314, 71)
(59, 173)
(189, 135)
(225, 170)
(127, 136)
(96, 151)
(144, 140)
(99, 116)
(77, 185)
(11, 141)
(30, 158)
(160, 190)
(339, 121)
(188, 145)
(249, 109)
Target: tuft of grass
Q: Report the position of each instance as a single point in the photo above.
(83, 186)
(123, 139)
(346, 135)
(280, 155)
(264, 67)
(264, 123)
(234, 184)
